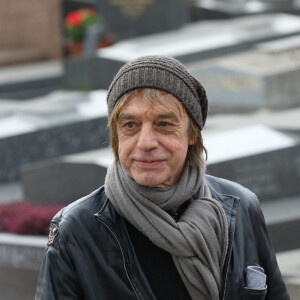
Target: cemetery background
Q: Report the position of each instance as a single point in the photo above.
(53, 137)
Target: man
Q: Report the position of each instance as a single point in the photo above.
(160, 228)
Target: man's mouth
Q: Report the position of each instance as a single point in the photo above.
(148, 163)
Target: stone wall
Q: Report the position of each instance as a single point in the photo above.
(31, 24)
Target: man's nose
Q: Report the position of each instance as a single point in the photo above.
(147, 139)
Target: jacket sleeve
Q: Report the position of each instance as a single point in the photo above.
(252, 247)
(57, 278)
(276, 289)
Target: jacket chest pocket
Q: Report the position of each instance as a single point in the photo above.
(252, 294)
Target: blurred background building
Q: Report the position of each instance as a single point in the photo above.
(57, 59)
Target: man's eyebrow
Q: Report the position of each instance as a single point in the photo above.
(126, 117)
(169, 115)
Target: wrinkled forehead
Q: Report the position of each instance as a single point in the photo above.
(155, 99)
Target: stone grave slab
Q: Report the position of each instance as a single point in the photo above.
(31, 80)
(244, 142)
(20, 261)
(252, 79)
(11, 192)
(63, 182)
(62, 123)
(32, 24)
(289, 265)
(132, 18)
(198, 41)
(65, 179)
(265, 161)
(231, 8)
(257, 157)
(262, 159)
(285, 120)
(283, 219)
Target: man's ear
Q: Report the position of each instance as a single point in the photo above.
(191, 141)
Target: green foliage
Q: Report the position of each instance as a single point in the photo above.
(77, 22)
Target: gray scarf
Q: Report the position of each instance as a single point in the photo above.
(197, 242)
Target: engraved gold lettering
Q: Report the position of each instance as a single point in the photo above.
(132, 9)
(230, 83)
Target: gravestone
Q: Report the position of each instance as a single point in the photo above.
(33, 25)
(251, 80)
(20, 262)
(132, 18)
(71, 5)
(198, 41)
(243, 155)
(59, 124)
(263, 160)
(66, 179)
(224, 9)
(31, 80)
(283, 219)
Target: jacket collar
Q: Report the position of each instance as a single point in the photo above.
(230, 205)
(229, 202)
(114, 221)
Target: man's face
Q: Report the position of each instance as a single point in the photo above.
(153, 140)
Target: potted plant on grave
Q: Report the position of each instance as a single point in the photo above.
(76, 24)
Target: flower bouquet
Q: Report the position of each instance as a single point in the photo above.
(77, 22)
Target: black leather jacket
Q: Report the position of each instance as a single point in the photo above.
(92, 257)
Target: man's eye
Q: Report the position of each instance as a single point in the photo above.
(129, 125)
(164, 124)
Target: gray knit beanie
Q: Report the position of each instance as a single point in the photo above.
(163, 73)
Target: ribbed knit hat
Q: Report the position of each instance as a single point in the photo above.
(163, 73)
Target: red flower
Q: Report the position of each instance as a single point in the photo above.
(74, 19)
(77, 22)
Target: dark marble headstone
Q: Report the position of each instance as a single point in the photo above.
(31, 80)
(60, 182)
(65, 179)
(49, 127)
(269, 175)
(139, 17)
(283, 219)
(49, 143)
(258, 157)
(71, 5)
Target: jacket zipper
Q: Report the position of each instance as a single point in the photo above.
(122, 252)
(229, 254)
(226, 274)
